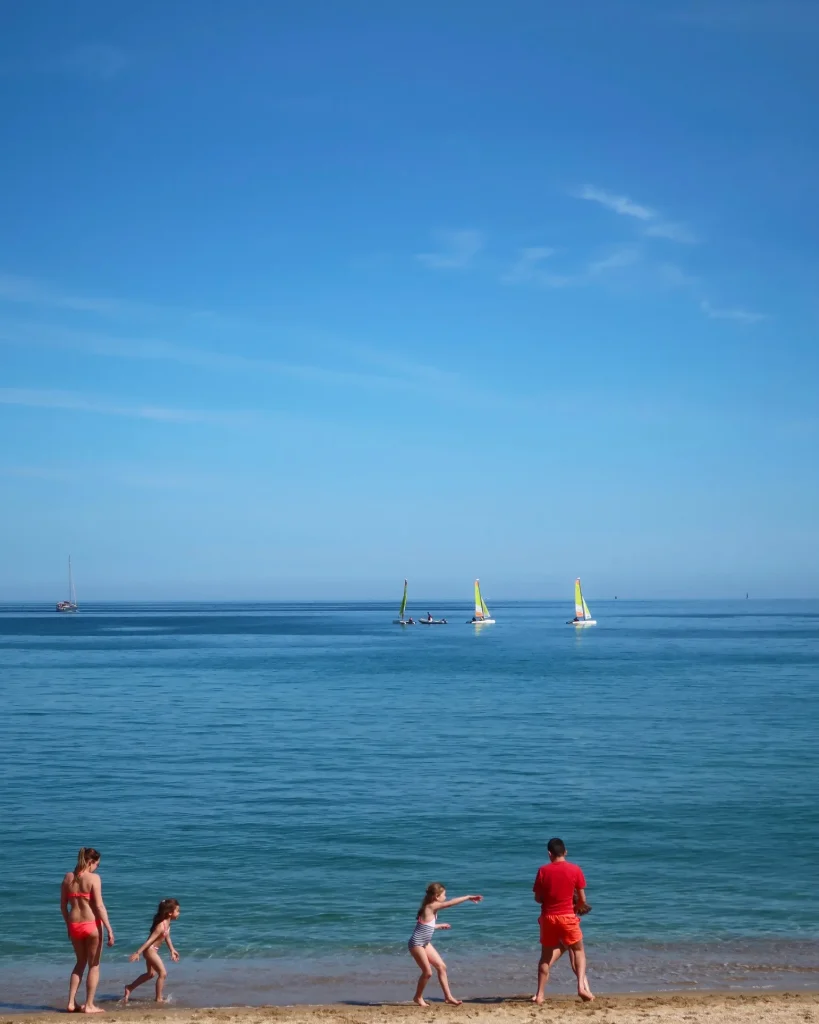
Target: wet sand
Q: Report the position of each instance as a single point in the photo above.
(664, 1008)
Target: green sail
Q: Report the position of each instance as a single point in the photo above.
(403, 602)
(481, 611)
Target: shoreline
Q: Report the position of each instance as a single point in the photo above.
(389, 980)
(714, 1007)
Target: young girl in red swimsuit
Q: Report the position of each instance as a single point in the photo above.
(85, 916)
(166, 912)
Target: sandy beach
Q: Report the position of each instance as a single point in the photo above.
(672, 1008)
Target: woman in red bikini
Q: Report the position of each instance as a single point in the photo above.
(85, 916)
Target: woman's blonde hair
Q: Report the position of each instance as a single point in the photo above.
(434, 890)
(85, 858)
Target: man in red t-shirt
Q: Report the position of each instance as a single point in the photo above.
(560, 889)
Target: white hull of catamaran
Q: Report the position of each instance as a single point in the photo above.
(481, 622)
(582, 622)
(402, 622)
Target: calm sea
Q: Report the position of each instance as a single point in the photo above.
(296, 774)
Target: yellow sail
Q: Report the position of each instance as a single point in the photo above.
(578, 601)
(480, 607)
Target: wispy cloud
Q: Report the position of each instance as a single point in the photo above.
(72, 401)
(456, 251)
(395, 375)
(655, 226)
(743, 316)
(400, 375)
(672, 276)
(26, 291)
(626, 256)
(618, 204)
(529, 268)
(674, 232)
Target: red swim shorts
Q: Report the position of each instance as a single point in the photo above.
(559, 930)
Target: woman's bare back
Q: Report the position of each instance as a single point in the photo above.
(81, 893)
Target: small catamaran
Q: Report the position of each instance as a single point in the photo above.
(71, 604)
(401, 621)
(582, 615)
(481, 616)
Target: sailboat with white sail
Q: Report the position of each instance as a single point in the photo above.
(582, 615)
(71, 604)
(481, 616)
(401, 621)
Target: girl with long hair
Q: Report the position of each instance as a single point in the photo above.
(420, 942)
(166, 913)
(85, 916)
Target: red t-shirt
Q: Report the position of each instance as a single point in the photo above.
(555, 884)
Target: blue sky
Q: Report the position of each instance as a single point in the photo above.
(297, 299)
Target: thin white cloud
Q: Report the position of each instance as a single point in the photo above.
(457, 250)
(26, 291)
(72, 401)
(529, 269)
(674, 232)
(618, 204)
(673, 276)
(743, 316)
(400, 376)
(616, 260)
(655, 225)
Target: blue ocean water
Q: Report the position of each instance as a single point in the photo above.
(296, 774)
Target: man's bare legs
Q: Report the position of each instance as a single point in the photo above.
(577, 955)
(549, 957)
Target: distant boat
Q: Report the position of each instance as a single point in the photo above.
(401, 621)
(481, 616)
(71, 604)
(429, 621)
(582, 615)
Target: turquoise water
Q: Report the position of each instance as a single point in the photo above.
(296, 774)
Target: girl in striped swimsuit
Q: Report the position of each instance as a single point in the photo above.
(420, 942)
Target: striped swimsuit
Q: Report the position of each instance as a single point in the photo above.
(422, 935)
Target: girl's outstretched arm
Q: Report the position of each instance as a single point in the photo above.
(171, 947)
(152, 939)
(454, 903)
